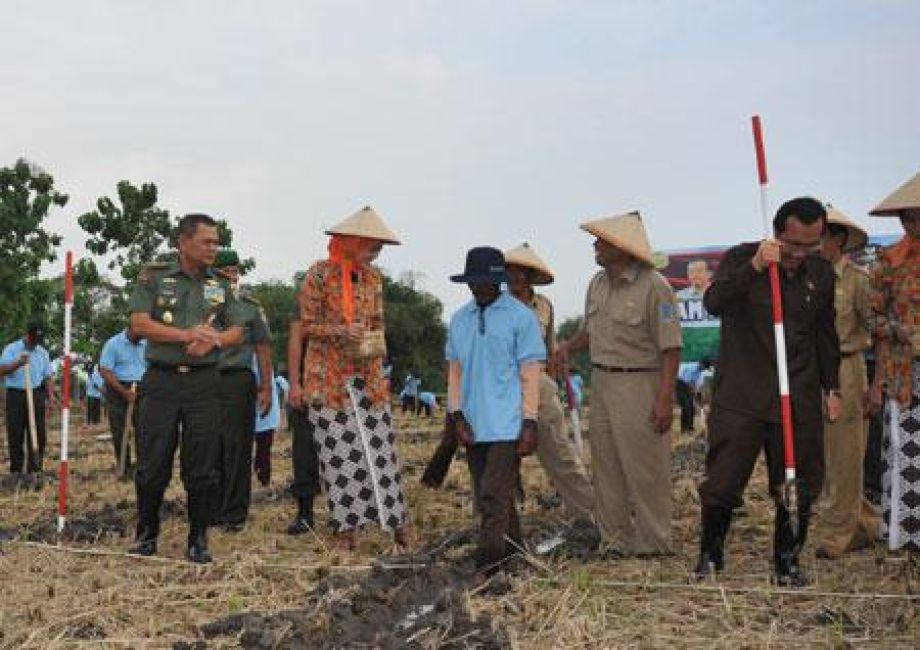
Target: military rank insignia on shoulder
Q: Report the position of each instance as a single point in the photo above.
(150, 269)
(668, 312)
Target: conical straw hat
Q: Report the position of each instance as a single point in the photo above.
(626, 232)
(365, 223)
(856, 236)
(525, 256)
(906, 197)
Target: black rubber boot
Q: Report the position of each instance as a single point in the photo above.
(715, 523)
(148, 523)
(786, 547)
(303, 522)
(198, 519)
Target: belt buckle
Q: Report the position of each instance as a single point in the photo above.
(182, 370)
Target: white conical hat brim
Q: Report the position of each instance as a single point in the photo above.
(906, 197)
(626, 232)
(856, 236)
(525, 256)
(365, 223)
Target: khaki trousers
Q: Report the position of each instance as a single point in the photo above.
(630, 462)
(558, 457)
(847, 520)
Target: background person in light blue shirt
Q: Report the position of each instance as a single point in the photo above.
(427, 401)
(266, 424)
(689, 381)
(29, 350)
(408, 397)
(94, 384)
(122, 365)
(495, 355)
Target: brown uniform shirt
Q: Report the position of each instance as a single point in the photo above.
(631, 320)
(745, 380)
(851, 303)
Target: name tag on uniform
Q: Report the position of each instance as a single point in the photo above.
(213, 293)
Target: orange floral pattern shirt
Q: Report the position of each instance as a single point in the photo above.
(326, 365)
(895, 299)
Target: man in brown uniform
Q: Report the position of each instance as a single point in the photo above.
(554, 451)
(632, 332)
(745, 416)
(848, 521)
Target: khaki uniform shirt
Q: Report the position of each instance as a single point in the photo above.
(171, 297)
(257, 333)
(851, 303)
(631, 320)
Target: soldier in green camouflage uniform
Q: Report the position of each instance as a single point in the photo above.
(187, 314)
(237, 390)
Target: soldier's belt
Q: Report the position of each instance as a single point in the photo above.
(181, 369)
(601, 366)
(233, 371)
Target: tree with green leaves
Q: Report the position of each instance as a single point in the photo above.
(415, 333)
(277, 300)
(136, 230)
(580, 362)
(27, 194)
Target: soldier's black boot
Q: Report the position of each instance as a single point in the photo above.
(715, 523)
(786, 547)
(148, 523)
(303, 522)
(198, 519)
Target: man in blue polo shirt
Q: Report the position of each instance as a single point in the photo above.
(495, 355)
(16, 355)
(122, 365)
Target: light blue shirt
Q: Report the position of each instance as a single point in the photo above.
(689, 372)
(491, 360)
(577, 387)
(428, 398)
(282, 387)
(124, 358)
(412, 385)
(273, 420)
(94, 384)
(39, 365)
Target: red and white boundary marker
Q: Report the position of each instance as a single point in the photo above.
(790, 493)
(65, 393)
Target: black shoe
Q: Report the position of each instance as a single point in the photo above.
(148, 525)
(303, 522)
(145, 547)
(715, 523)
(786, 548)
(198, 546)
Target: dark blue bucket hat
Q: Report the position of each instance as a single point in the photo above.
(483, 264)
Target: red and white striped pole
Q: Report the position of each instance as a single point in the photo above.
(790, 493)
(65, 394)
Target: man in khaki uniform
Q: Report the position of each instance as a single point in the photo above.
(632, 332)
(848, 521)
(525, 269)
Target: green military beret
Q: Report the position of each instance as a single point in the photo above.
(226, 257)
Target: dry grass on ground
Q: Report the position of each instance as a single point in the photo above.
(86, 592)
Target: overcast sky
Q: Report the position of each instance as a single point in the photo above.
(464, 122)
